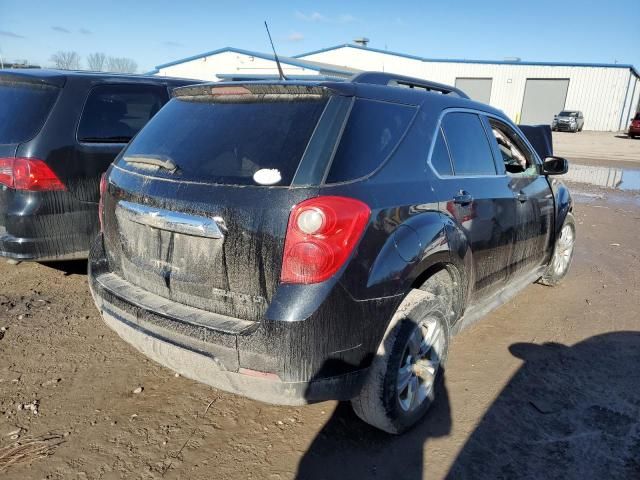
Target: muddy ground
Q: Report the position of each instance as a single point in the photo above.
(547, 386)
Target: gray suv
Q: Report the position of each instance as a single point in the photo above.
(568, 121)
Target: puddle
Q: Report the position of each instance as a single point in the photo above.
(606, 177)
(597, 198)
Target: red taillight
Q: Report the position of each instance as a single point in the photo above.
(321, 234)
(28, 174)
(103, 189)
(6, 172)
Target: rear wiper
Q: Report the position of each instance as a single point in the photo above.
(161, 161)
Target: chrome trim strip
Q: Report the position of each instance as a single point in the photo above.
(178, 222)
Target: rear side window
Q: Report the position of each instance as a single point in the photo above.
(24, 107)
(115, 113)
(468, 144)
(252, 143)
(372, 132)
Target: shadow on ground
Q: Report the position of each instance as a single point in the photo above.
(568, 412)
(348, 448)
(69, 267)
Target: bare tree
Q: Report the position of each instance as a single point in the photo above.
(66, 60)
(121, 65)
(97, 61)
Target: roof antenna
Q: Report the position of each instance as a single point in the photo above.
(280, 72)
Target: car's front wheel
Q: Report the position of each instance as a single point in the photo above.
(562, 255)
(407, 372)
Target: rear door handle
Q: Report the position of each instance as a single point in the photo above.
(177, 222)
(463, 198)
(522, 197)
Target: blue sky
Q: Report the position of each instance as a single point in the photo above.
(155, 32)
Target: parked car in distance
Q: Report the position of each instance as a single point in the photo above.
(296, 242)
(634, 126)
(59, 131)
(568, 121)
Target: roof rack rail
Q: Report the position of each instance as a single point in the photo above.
(381, 78)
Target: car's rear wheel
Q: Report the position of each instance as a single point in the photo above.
(406, 374)
(562, 255)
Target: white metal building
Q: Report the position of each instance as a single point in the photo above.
(236, 64)
(529, 92)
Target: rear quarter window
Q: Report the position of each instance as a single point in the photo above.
(115, 113)
(373, 130)
(440, 159)
(24, 107)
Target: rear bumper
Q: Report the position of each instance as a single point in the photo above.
(45, 226)
(42, 249)
(634, 131)
(211, 369)
(565, 127)
(323, 357)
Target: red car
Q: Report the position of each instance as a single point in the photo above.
(634, 128)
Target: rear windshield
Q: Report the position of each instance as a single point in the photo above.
(115, 113)
(228, 143)
(24, 107)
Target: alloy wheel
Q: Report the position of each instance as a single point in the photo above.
(420, 364)
(564, 250)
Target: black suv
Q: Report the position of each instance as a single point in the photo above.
(296, 242)
(59, 131)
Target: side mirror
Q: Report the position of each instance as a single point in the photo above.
(555, 166)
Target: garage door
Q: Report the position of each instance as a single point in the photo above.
(543, 98)
(479, 89)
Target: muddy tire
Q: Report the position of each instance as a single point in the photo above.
(562, 254)
(406, 374)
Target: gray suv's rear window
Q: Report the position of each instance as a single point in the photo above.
(115, 113)
(252, 143)
(24, 107)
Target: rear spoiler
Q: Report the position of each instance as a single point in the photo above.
(540, 138)
(252, 92)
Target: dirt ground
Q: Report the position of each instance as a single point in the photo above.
(615, 147)
(547, 386)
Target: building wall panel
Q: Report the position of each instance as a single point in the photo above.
(207, 68)
(599, 92)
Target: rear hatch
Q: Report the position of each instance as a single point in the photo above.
(25, 104)
(197, 205)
